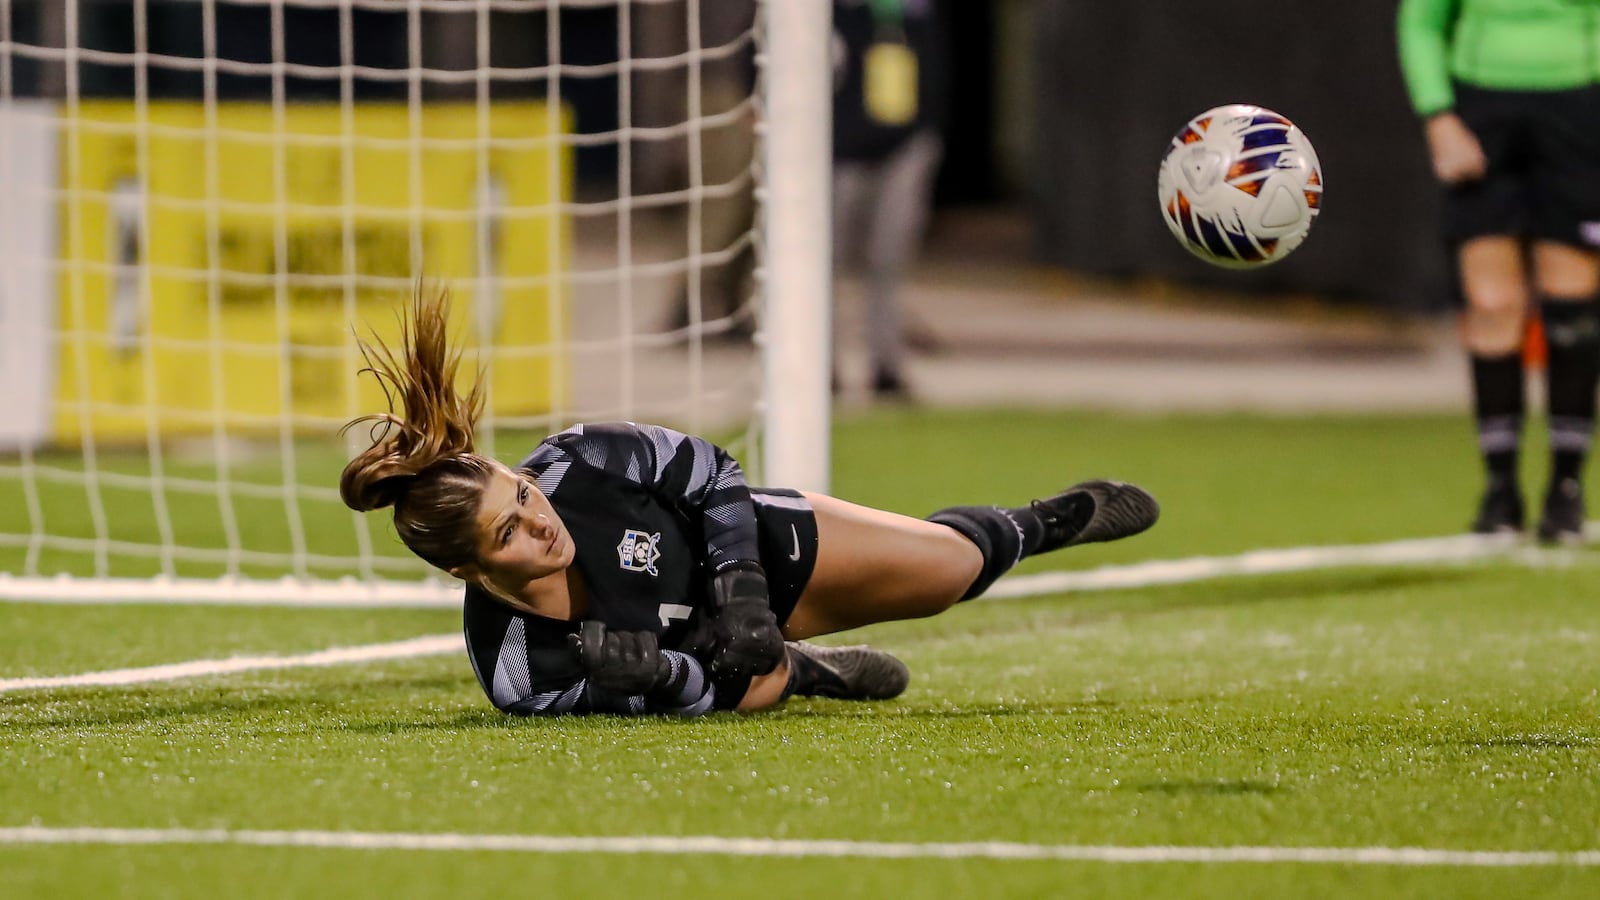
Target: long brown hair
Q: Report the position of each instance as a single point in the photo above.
(421, 461)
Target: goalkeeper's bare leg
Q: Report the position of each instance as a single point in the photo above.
(876, 566)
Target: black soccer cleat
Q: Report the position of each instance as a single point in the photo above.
(847, 673)
(1094, 511)
(1500, 511)
(1562, 522)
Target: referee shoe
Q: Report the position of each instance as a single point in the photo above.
(1562, 520)
(1500, 511)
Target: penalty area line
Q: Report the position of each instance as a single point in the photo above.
(1461, 549)
(769, 847)
(432, 645)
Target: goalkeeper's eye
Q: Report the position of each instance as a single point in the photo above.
(506, 537)
(522, 493)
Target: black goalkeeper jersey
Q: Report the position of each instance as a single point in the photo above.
(653, 514)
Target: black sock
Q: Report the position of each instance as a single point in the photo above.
(1032, 529)
(1572, 332)
(1003, 536)
(1497, 387)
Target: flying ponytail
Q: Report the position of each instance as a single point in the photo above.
(421, 460)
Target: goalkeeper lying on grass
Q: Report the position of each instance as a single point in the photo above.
(627, 568)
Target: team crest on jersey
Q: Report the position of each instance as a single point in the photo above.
(638, 551)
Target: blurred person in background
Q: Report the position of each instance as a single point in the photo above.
(1509, 94)
(888, 112)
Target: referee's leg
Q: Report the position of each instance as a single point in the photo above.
(905, 196)
(1494, 285)
(1566, 276)
(1568, 281)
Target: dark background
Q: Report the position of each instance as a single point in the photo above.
(1116, 80)
(1111, 82)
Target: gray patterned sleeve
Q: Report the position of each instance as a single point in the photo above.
(526, 668)
(543, 682)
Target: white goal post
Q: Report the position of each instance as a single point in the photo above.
(798, 152)
(205, 199)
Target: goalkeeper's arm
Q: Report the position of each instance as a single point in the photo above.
(627, 672)
(624, 673)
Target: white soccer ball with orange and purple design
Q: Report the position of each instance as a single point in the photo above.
(1240, 186)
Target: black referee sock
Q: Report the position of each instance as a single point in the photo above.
(1498, 392)
(1572, 333)
(1003, 536)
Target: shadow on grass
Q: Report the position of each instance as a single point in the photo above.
(263, 709)
(840, 709)
(88, 707)
(146, 711)
(467, 720)
(1534, 742)
(1214, 787)
(249, 708)
(832, 710)
(819, 708)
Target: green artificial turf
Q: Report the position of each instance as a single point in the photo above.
(43, 639)
(1449, 706)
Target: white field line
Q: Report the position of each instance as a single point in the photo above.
(433, 645)
(1457, 549)
(344, 592)
(767, 847)
(1461, 549)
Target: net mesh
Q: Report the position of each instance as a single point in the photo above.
(207, 201)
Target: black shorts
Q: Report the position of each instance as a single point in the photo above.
(787, 537)
(1543, 179)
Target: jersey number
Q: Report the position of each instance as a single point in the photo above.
(670, 611)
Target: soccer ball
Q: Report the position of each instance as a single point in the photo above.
(1240, 186)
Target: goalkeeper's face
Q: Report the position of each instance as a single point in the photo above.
(520, 536)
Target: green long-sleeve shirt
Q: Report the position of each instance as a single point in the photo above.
(1512, 45)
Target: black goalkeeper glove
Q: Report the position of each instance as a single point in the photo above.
(745, 638)
(628, 662)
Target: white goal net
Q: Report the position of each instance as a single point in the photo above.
(206, 199)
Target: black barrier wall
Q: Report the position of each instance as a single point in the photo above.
(1115, 81)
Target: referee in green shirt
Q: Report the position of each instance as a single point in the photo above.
(1509, 91)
